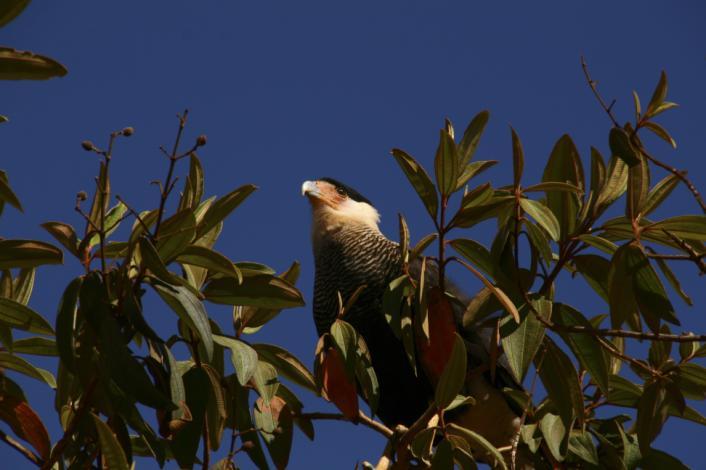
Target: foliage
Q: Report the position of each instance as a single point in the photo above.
(113, 367)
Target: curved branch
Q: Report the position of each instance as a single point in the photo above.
(363, 419)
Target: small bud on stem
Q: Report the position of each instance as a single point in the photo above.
(201, 140)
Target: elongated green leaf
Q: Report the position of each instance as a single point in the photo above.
(36, 346)
(555, 434)
(64, 234)
(616, 184)
(606, 246)
(521, 342)
(446, 163)
(471, 138)
(564, 165)
(623, 305)
(649, 292)
(10, 9)
(539, 241)
(581, 444)
(620, 146)
(275, 415)
(553, 186)
(189, 309)
(684, 226)
(222, 207)
(543, 216)
(585, 347)
(265, 380)
(475, 253)
(262, 290)
(473, 169)
(502, 298)
(492, 453)
(175, 234)
(638, 187)
(286, 364)
(28, 254)
(193, 187)
(651, 414)
(23, 285)
(345, 340)
(673, 281)
(595, 270)
(6, 193)
(21, 317)
(659, 193)
(16, 363)
(243, 356)
(65, 318)
(419, 179)
(518, 159)
(660, 132)
(112, 453)
(598, 171)
(185, 443)
(453, 376)
(207, 258)
(658, 95)
(561, 381)
(24, 65)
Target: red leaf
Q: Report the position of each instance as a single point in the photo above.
(25, 423)
(339, 390)
(435, 353)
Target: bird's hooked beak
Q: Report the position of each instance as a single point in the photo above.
(310, 189)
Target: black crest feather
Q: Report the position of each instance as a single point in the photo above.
(352, 193)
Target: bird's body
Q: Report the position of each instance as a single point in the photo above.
(350, 251)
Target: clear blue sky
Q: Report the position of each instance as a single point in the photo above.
(292, 90)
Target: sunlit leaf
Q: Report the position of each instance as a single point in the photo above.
(684, 226)
(35, 346)
(286, 364)
(21, 317)
(243, 356)
(658, 95)
(222, 207)
(25, 423)
(16, 363)
(518, 159)
(491, 453)
(471, 138)
(24, 65)
(10, 9)
(28, 254)
(212, 260)
(419, 179)
(6, 193)
(261, 290)
(620, 146)
(543, 216)
(561, 381)
(446, 164)
(564, 165)
(521, 342)
(112, 453)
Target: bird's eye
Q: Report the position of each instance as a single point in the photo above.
(341, 191)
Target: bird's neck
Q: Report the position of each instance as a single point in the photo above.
(329, 224)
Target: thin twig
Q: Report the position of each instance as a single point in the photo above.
(698, 258)
(164, 193)
(594, 88)
(679, 174)
(362, 419)
(137, 216)
(29, 455)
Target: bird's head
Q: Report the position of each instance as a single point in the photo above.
(336, 206)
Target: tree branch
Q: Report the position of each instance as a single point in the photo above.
(362, 419)
(608, 109)
(681, 174)
(20, 448)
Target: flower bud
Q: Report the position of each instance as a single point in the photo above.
(87, 145)
(128, 131)
(201, 140)
(82, 196)
(247, 445)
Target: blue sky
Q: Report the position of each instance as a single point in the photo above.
(289, 91)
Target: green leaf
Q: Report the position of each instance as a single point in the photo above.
(25, 65)
(581, 444)
(210, 259)
(345, 340)
(28, 254)
(561, 381)
(594, 270)
(522, 342)
(621, 147)
(422, 245)
(443, 458)
(471, 138)
(518, 159)
(21, 317)
(491, 453)
(638, 107)
(243, 356)
(275, 415)
(419, 179)
(265, 380)
(615, 185)
(446, 164)
(404, 238)
(6, 193)
(658, 460)
(606, 246)
(539, 241)
(543, 216)
(475, 253)
(176, 384)
(64, 234)
(555, 435)
(564, 165)
(185, 443)
(598, 171)
(651, 414)
(222, 208)
(286, 364)
(36, 346)
(65, 318)
(621, 295)
(453, 376)
(473, 169)
(265, 291)
(16, 363)
(112, 453)
(663, 107)
(649, 292)
(691, 227)
(585, 347)
(673, 280)
(193, 186)
(10, 9)
(638, 187)
(658, 95)
(660, 132)
(553, 186)
(175, 234)
(189, 309)
(659, 193)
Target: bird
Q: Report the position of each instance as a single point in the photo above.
(350, 251)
